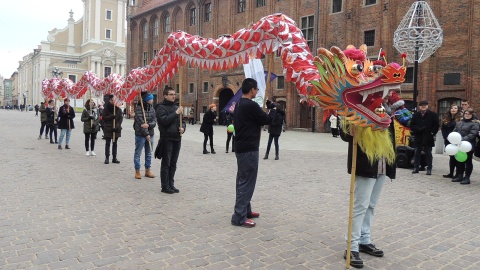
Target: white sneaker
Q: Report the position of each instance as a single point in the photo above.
(88, 153)
(92, 153)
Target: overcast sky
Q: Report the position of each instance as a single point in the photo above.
(25, 23)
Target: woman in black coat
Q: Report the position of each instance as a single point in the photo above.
(274, 130)
(448, 124)
(207, 127)
(468, 128)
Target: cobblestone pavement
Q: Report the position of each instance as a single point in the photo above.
(62, 210)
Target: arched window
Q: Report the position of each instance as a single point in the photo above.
(167, 23)
(155, 27)
(145, 30)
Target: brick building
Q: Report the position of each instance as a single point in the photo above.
(451, 74)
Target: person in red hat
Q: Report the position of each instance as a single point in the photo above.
(206, 128)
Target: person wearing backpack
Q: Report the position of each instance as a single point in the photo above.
(275, 129)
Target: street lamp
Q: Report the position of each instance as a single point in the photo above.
(418, 35)
(56, 73)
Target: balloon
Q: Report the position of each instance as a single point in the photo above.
(465, 146)
(454, 137)
(230, 128)
(451, 149)
(461, 156)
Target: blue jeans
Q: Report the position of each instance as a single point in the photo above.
(62, 134)
(247, 164)
(367, 192)
(142, 142)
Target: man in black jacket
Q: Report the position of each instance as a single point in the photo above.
(168, 118)
(248, 120)
(424, 126)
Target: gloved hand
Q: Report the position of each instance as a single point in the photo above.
(91, 117)
(69, 116)
(114, 129)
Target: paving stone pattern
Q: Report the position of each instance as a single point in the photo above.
(62, 210)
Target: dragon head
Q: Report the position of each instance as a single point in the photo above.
(355, 86)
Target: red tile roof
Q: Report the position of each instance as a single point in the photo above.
(148, 5)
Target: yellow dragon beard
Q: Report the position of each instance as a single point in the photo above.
(375, 144)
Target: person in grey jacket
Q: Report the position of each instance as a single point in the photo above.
(171, 130)
(144, 124)
(468, 128)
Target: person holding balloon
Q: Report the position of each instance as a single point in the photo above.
(230, 132)
(452, 117)
(468, 129)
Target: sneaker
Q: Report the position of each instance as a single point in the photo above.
(370, 249)
(59, 147)
(92, 153)
(46, 137)
(67, 147)
(88, 153)
(355, 260)
(40, 137)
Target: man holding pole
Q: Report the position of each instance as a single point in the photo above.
(112, 128)
(171, 128)
(248, 120)
(372, 165)
(145, 122)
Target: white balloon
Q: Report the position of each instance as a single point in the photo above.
(451, 149)
(454, 137)
(465, 146)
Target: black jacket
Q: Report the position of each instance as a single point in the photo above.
(275, 128)
(364, 168)
(207, 123)
(151, 117)
(65, 115)
(248, 120)
(51, 115)
(169, 121)
(108, 117)
(447, 128)
(424, 128)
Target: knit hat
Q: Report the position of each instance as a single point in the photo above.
(148, 97)
(395, 101)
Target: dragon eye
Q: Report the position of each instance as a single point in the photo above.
(397, 75)
(356, 69)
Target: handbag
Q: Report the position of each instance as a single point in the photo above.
(159, 150)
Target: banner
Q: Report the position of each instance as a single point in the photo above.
(254, 69)
(230, 107)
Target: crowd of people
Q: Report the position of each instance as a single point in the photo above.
(375, 162)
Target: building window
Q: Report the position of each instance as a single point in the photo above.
(369, 38)
(192, 16)
(155, 27)
(451, 78)
(409, 75)
(154, 53)
(108, 15)
(107, 71)
(307, 29)
(205, 87)
(336, 6)
(191, 86)
(145, 31)
(144, 58)
(280, 82)
(241, 6)
(108, 33)
(208, 12)
(167, 23)
(204, 109)
(72, 78)
(260, 3)
(370, 2)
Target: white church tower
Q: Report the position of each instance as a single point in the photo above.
(96, 42)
